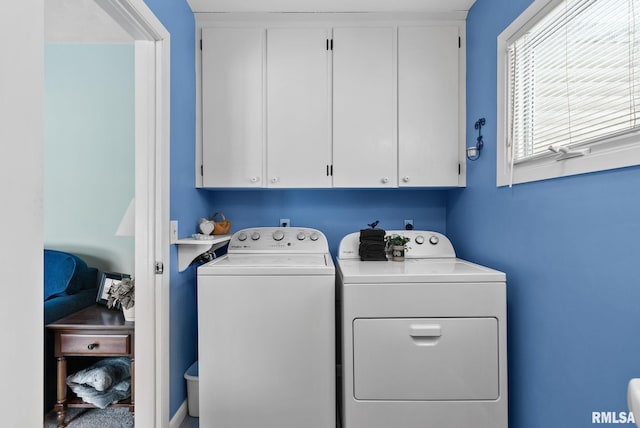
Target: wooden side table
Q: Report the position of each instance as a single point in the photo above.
(91, 332)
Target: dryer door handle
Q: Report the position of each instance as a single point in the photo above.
(425, 331)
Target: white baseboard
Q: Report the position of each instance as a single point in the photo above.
(177, 419)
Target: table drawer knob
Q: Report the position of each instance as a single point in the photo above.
(92, 346)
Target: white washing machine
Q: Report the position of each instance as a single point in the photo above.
(423, 340)
(266, 332)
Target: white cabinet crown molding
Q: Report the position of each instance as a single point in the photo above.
(428, 6)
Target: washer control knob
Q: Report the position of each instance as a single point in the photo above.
(314, 236)
(278, 235)
(242, 237)
(419, 239)
(433, 240)
(301, 236)
(255, 236)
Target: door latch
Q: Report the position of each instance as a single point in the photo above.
(159, 268)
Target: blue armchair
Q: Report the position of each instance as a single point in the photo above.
(69, 285)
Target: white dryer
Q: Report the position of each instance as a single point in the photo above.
(266, 332)
(423, 340)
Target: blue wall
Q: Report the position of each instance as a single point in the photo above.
(570, 249)
(336, 212)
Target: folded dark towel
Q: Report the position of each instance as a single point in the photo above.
(372, 246)
(377, 234)
(368, 246)
(373, 258)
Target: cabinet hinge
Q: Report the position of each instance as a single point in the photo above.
(159, 268)
(331, 170)
(459, 168)
(329, 44)
(200, 44)
(459, 42)
(202, 170)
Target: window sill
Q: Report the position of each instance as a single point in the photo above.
(615, 154)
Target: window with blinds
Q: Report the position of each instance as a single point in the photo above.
(573, 78)
(568, 90)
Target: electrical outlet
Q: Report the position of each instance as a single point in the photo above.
(174, 231)
(285, 222)
(408, 224)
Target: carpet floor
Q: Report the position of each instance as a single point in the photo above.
(93, 418)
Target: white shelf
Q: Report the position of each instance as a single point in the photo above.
(190, 248)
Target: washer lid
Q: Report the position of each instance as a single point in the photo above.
(416, 270)
(269, 264)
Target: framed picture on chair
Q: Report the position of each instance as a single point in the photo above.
(106, 281)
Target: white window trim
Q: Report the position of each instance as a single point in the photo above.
(616, 152)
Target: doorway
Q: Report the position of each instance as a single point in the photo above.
(82, 21)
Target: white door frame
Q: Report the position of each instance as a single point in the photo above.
(152, 90)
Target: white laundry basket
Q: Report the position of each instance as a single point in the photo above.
(193, 394)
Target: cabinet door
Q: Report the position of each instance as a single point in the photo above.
(364, 107)
(232, 107)
(428, 106)
(298, 106)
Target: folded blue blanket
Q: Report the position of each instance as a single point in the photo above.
(104, 383)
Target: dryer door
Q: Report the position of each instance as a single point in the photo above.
(426, 359)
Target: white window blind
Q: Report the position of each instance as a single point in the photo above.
(574, 78)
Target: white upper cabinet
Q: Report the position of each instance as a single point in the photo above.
(232, 107)
(364, 107)
(298, 108)
(428, 106)
(330, 101)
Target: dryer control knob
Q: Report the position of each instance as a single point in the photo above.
(419, 239)
(433, 240)
(314, 236)
(301, 236)
(242, 237)
(255, 236)
(278, 235)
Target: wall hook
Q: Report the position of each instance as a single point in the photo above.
(473, 152)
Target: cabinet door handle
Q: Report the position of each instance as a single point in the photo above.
(92, 346)
(405, 178)
(275, 179)
(255, 179)
(385, 180)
